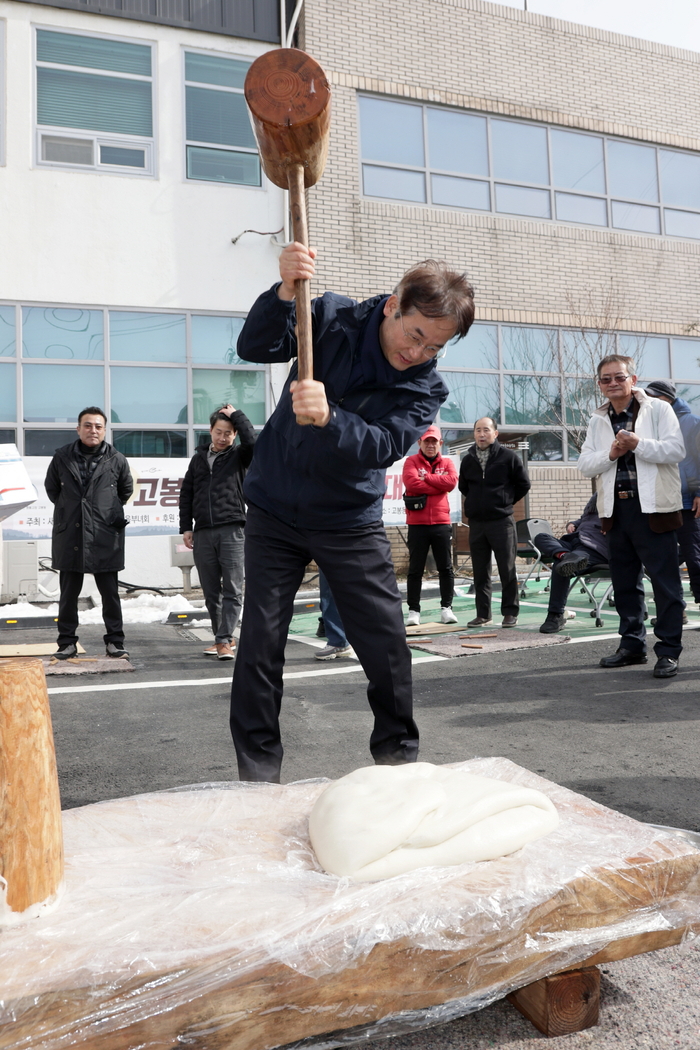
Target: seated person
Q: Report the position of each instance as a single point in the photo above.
(583, 549)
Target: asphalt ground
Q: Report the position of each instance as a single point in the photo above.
(620, 737)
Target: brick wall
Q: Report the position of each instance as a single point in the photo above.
(500, 60)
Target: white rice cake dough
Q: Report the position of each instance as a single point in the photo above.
(381, 821)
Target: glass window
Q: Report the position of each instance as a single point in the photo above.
(148, 395)
(215, 387)
(218, 115)
(214, 339)
(531, 400)
(70, 49)
(650, 355)
(577, 161)
(392, 131)
(682, 224)
(7, 331)
(8, 437)
(632, 171)
(686, 358)
(106, 90)
(582, 349)
(680, 178)
(218, 165)
(215, 69)
(545, 447)
(57, 393)
(8, 396)
(45, 442)
(151, 443)
(690, 393)
(471, 397)
(457, 142)
(530, 349)
(581, 396)
(478, 349)
(62, 333)
(393, 183)
(461, 193)
(635, 217)
(591, 211)
(146, 337)
(519, 152)
(518, 200)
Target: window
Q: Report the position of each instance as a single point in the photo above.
(94, 103)
(221, 145)
(455, 159)
(538, 381)
(157, 374)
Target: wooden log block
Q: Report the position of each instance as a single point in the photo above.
(562, 1003)
(31, 835)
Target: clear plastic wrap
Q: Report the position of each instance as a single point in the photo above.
(201, 917)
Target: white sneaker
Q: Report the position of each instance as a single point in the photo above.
(332, 652)
(413, 618)
(447, 616)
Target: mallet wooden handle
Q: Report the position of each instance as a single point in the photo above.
(300, 232)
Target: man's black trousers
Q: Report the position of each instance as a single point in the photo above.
(421, 538)
(689, 543)
(71, 586)
(500, 537)
(633, 545)
(357, 564)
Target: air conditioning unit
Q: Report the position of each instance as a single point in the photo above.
(20, 575)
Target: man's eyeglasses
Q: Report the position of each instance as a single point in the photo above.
(606, 380)
(430, 352)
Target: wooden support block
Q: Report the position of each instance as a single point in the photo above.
(494, 635)
(563, 1003)
(468, 645)
(31, 833)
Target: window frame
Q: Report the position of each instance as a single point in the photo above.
(502, 374)
(186, 142)
(97, 138)
(191, 427)
(551, 188)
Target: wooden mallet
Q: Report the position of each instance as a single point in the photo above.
(290, 102)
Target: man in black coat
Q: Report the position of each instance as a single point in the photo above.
(492, 479)
(89, 482)
(212, 496)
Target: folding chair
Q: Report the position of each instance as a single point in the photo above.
(526, 530)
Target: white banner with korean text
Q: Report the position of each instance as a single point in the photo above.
(153, 507)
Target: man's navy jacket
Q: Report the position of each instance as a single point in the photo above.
(333, 477)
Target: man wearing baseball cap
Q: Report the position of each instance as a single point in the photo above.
(428, 477)
(689, 534)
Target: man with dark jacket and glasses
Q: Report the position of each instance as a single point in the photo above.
(212, 497)
(315, 492)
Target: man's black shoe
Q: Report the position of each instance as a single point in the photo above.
(66, 652)
(655, 618)
(571, 564)
(552, 624)
(666, 667)
(622, 658)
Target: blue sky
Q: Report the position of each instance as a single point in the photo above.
(674, 22)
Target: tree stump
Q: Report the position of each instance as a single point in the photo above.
(31, 833)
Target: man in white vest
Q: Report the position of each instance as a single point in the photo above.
(632, 449)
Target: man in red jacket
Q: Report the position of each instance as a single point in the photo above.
(429, 476)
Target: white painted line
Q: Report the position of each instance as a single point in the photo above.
(193, 682)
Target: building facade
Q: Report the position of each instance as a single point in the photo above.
(558, 165)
